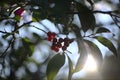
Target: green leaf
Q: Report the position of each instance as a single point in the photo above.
(83, 55)
(95, 52)
(102, 30)
(54, 65)
(70, 67)
(86, 16)
(107, 43)
(29, 47)
(81, 49)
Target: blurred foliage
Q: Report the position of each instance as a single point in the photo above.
(19, 43)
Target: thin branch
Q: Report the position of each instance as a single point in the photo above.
(13, 38)
(105, 12)
(115, 21)
(10, 44)
(39, 29)
(4, 32)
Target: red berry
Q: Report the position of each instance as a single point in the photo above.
(55, 48)
(52, 47)
(51, 36)
(49, 39)
(59, 44)
(49, 33)
(19, 11)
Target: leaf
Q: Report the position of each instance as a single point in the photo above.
(60, 8)
(102, 30)
(83, 55)
(86, 16)
(81, 49)
(107, 43)
(90, 2)
(54, 65)
(94, 51)
(29, 47)
(70, 68)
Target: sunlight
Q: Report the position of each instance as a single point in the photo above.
(90, 64)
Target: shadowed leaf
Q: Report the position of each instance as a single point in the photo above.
(107, 43)
(86, 16)
(102, 30)
(54, 65)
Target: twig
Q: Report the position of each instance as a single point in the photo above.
(39, 29)
(13, 38)
(115, 22)
(10, 44)
(4, 32)
(105, 12)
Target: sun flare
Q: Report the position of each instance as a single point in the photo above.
(90, 64)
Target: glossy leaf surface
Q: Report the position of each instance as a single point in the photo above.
(94, 51)
(107, 43)
(54, 65)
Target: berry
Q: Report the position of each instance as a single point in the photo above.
(19, 11)
(66, 44)
(55, 48)
(49, 33)
(51, 36)
(64, 48)
(59, 44)
(66, 39)
(61, 40)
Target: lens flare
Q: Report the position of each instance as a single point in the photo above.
(90, 64)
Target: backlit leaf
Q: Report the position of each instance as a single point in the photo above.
(70, 67)
(83, 55)
(107, 43)
(54, 65)
(94, 51)
(86, 16)
(81, 49)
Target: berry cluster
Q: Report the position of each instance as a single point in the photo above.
(58, 43)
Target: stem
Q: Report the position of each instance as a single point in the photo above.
(70, 68)
(39, 29)
(70, 75)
